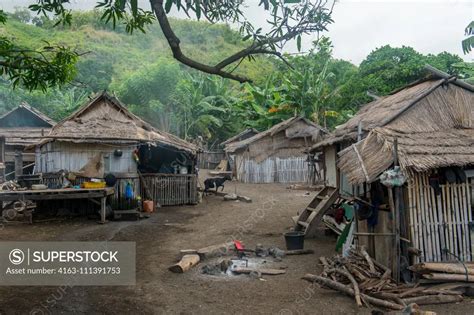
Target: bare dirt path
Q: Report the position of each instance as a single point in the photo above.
(159, 240)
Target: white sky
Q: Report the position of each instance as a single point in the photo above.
(360, 26)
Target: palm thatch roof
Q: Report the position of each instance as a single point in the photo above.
(104, 119)
(432, 120)
(247, 133)
(308, 129)
(24, 125)
(382, 111)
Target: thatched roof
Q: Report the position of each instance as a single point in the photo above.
(382, 111)
(247, 133)
(309, 130)
(433, 121)
(24, 125)
(105, 119)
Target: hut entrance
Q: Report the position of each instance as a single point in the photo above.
(167, 175)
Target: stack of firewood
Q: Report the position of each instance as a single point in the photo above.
(370, 283)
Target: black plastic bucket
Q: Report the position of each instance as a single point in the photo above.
(294, 240)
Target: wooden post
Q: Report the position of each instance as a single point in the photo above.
(18, 164)
(2, 149)
(103, 206)
(356, 193)
(396, 218)
(2, 159)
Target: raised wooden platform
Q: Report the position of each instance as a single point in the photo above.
(61, 194)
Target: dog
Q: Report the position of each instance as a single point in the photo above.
(215, 182)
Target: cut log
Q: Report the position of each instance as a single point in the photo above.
(186, 263)
(443, 267)
(347, 290)
(448, 277)
(433, 299)
(215, 250)
(299, 252)
(264, 271)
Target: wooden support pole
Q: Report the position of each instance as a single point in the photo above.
(103, 207)
(18, 164)
(396, 218)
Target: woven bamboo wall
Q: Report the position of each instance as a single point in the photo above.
(441, 222)
(167, 189)
(171, 189)
(273, 170)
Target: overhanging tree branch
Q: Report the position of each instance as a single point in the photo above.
(283, 31)
(174, 44)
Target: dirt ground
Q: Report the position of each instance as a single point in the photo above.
(158, 241)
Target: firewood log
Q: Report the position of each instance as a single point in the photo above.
(186, 263)
(344, 289)
(448, 277)
(433, 299)
(443, 267)
(263, 271)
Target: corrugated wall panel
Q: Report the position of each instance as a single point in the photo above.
(56, 156)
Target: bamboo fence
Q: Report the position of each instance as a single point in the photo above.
(440, 224)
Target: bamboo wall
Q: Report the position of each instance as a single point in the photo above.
(272, 170)
(439, 222)
(166, 189)
(171, 189)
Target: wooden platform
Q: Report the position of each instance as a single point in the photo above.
(62, 194)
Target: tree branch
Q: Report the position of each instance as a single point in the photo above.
(174, 43)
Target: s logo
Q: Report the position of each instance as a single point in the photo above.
(17, 256)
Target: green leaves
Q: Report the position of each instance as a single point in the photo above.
(468, 43)
(168, 5)
(46, 67)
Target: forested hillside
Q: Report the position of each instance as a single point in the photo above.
(140, 70)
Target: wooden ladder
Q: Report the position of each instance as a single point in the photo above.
(308, 219)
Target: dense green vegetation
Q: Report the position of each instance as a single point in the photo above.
(140, 70)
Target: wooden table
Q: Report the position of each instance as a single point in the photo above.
(62, 194)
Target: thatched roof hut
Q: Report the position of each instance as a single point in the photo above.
(19, 128)
(24, 125)
(292, 128)
(432, 119)
(105, 119)
(247, 133)
(103, 137)
(276, 154)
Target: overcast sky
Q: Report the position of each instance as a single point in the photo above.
(360, 26)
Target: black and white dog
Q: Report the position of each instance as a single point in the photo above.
(215, 182)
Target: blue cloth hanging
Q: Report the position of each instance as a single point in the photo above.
(128, 191)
